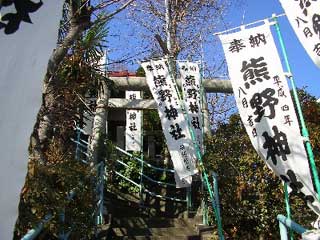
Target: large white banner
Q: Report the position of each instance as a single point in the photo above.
(190, 80)
(266, 109)
(133, 124)
(174, 126)
(28, 35)
(304, 17)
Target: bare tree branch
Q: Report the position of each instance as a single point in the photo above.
(162, 44)
(109, 16)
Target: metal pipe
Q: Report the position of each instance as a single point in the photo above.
(164, 197)
(305, 133)
(288, 210)
(141, 165)
(101, 194)
(77, 143)
(283, 231)
(33, 233)
(216, 194)
(246, 25)
(147, 177)
(147, 164)
(149, 192)
(291, 224)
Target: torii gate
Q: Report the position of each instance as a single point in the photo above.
(140, 83)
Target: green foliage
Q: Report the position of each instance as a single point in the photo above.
(47, 189)
(132, 172)
(140, 72)
(92, 42)
(251, 195)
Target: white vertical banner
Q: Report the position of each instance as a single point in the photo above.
(28, 35)
(304, 17)
(174, 125)
(190, 80)
(266, 109)
(133, 124)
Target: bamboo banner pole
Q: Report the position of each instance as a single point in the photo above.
(199, 157)
(202, 104)
(305, 132)
(142, 162)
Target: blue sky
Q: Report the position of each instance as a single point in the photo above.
(305, 72)
(125, 43)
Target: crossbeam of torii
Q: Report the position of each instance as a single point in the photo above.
(139, 84)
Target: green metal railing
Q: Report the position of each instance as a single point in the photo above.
(82, 144)
(143, 175)
(33, 233)
(285, 224)
(145, 163)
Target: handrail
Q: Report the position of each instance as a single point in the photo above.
(149, 192)
(79, 143)
(100, 189)
(158, 182)
(285, 224)
(147, 177)
(164, 197)
(121, 175)
(86, 143)
(288, 223)
(85, 153)
(217, 203)
(138, 159)
(33, 233)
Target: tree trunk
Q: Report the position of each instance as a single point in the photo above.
(43, 129)
(99, 123)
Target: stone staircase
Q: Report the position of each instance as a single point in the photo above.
(129, 220)
(154, 228)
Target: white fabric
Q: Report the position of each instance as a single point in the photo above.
(190, 80)
(260, 87)
(174, 126)
(311, 235)
(304, 17)
(183, 182)
(133, 124)
(24, 58)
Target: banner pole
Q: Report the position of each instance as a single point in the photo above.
(142, 162)
(288, 210)
(305, 133)
(202, 102)
(199, 157)
(78, 141)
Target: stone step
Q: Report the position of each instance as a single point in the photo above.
(158, 238)
(168, 232)
(155, 222)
